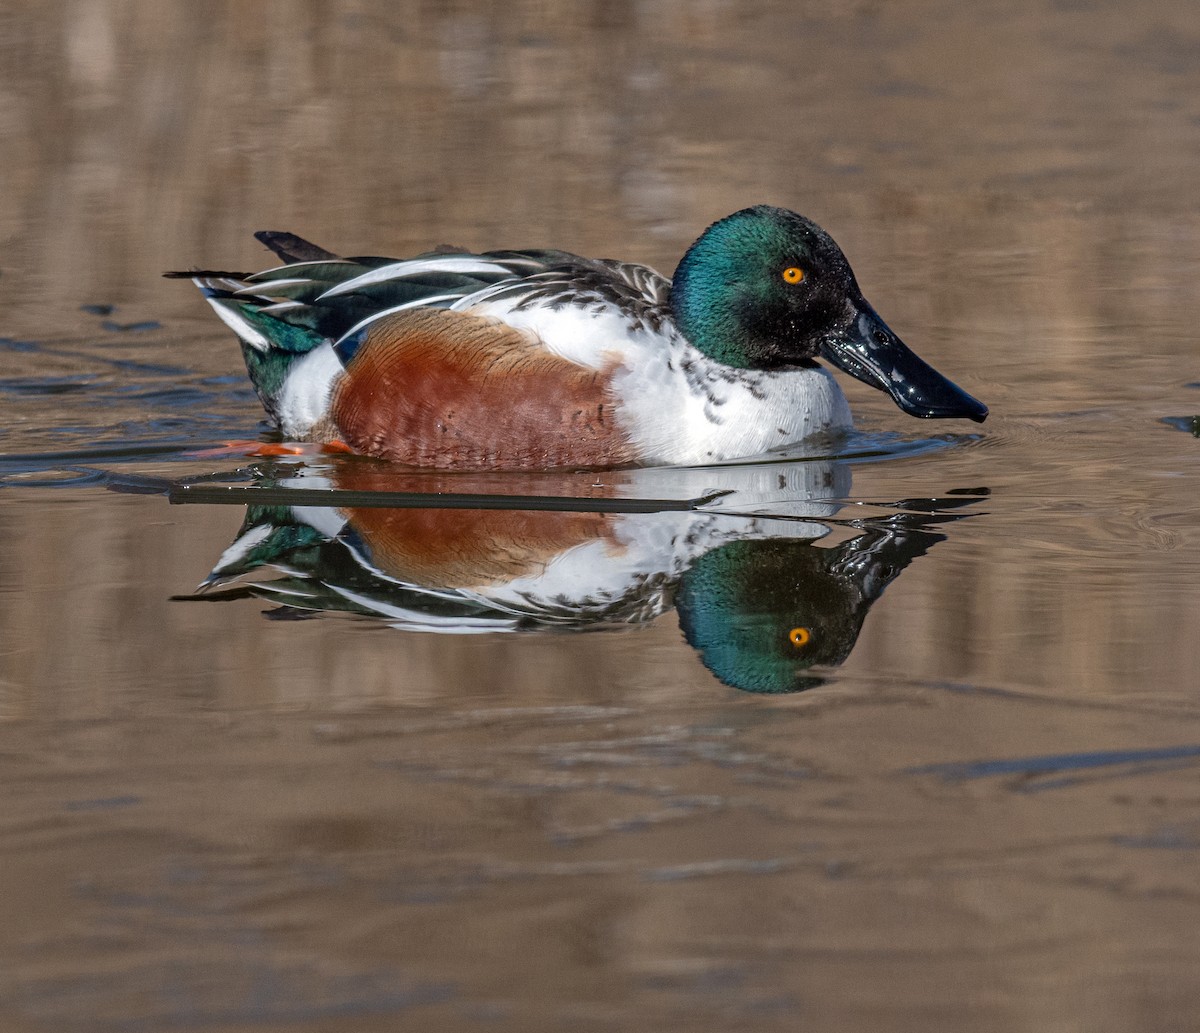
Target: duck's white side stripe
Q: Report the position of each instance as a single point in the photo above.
(430, 302)
(401, 270)
(256, 289)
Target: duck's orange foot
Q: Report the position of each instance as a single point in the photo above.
(269, 449)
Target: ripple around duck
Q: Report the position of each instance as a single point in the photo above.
(869, 447)
(119, 410)
(1188, 424)
(54, 477)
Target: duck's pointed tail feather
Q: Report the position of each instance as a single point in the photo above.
(291, 249)
(262, 323)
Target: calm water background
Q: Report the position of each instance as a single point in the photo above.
(987, 818)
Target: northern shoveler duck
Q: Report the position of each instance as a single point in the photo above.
(757, 600)
(542, 359)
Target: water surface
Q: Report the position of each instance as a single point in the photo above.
(318, 804)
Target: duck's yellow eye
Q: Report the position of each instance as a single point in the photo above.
(793, 274)
(799, 637)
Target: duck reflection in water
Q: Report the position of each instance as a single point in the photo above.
(760, 602)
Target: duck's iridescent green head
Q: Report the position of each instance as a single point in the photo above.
(768, 289)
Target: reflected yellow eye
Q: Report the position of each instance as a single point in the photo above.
(799, 637)
(793, 274)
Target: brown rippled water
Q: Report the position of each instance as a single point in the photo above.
(985, 817)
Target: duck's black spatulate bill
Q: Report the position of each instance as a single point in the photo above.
(869, 351)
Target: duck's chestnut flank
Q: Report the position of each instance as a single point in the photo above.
(542, 411)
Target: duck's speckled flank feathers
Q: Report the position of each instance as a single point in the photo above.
(418, 380)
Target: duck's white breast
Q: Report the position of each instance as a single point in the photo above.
(682, 408)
